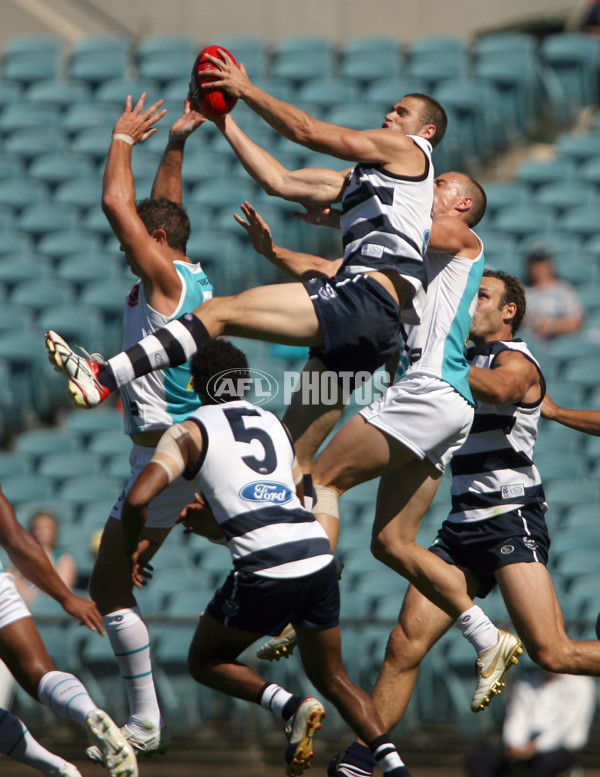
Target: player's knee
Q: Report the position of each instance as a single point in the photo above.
(386, 550)
(555, 657)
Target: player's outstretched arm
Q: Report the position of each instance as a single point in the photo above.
(586, 421)
(298, 265)
(308, 185)
(167, 182)
(31, 560)
(376, 146)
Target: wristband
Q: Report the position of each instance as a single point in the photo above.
(122, 136)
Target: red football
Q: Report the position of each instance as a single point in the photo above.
(212, 104)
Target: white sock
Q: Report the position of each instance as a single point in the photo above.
(274, 698)
(16, 742)
(130, 643)
(478, 629)
(65, 695)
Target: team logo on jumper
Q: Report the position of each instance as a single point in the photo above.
(506, 549)
(529, 543)
(259, 386)
(265, 491)
(511, 492)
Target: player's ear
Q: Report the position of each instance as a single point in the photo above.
(160, 236)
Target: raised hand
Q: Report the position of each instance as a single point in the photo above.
(138, 122)
(257, 229)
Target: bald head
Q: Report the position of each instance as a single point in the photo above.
(460, 195)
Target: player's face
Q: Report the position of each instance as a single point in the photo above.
(405, 116)
(447, 193)
(489, 313)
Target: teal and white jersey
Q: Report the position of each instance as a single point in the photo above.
(436, 346)
(160, 399)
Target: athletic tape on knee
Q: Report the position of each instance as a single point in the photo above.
(326, 501)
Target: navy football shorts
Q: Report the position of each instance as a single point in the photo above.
(266, 605)
(359, 319)
(484, 546)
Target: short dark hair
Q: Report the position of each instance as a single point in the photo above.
(475, 191)
(162, 213)
(513, 292)
(432, 113)
(210, 362)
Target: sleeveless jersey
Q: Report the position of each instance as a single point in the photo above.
(493, 473)
(162, 398)
(246, 478)
(386, 221)
(437, 345)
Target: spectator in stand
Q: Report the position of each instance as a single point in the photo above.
(553, 307)
(44, 526)
(547, 721)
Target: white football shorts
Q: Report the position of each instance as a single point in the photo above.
(425, 414)
(164, 509)
(12, 604)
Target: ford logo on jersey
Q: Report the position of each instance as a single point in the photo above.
(261, 491)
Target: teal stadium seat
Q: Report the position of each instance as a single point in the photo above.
(78, 269)
(466, 119)
(58, 168)
(18, 488)
(161, 43)
(29, 266)
(11, 167)
(45, 217)
(116, 91)
(95, 67)
(64, 243)
(27, 144)
(20, 116)
(68, 465)
(166, 66)
(24, 68)
(78, 324)
(567, 194)
(37, 294)
(92, 141)
(84, 192)
(326, 93)
(358, 115)
(435, 69)
(247, 47)
(589, 171)
(579, 147)
(504, 44)
(437, 45)
(297, 69)
(88, 115)
(84, 489)
(520, 220)
(86, 425)
(15, 463)
(502, 194)
(388, 91)
(574, 60)
(58, 93)
(364, 69)
(515, 87)
(576, 221)
(550, 240)
(10, 92)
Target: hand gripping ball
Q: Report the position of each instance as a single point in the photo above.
(212, 104)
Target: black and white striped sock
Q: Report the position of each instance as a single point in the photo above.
(385, 753)
(169, 346)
